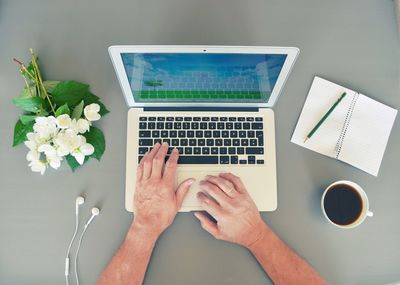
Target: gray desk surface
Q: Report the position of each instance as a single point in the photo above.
(353, 42)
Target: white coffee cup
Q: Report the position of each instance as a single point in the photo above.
(365, 212)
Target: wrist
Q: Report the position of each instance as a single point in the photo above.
(261, 234)
(142, 233)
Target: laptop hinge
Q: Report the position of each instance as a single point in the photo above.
(202, 109)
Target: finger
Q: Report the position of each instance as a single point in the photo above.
(215, 192)
(171, 165)
(148, 161)
(207, 225)
(139, 171)
(224, 184)
(235, 180)
(182, 190)
(158, 161)
(209, 205)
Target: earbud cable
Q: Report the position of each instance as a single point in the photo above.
(77, 252)
(69, 249)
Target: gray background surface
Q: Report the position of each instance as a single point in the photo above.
(353, 43)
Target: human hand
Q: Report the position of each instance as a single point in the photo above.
(237, 216)
(155, 201)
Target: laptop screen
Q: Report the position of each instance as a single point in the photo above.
(202, 77)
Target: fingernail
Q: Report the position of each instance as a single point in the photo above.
(164, 143)
(191, 181)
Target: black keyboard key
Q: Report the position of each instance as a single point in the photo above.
(236, 142)
(168, 141)
(160, 125)
(223, 150)
(206, 159)
(220, 126)
(182, 134)
(227, 142)
(251, 134)
(199, 134)
(205, 119)
(190, 134)
(151, 125)
(244, 142)
(257, 126)
(197, 150)
(214, 150)
(144, 134)
(242, 134)
(261, 142)
(233, 134)
(234, 159)
(142, 125)
(223, 119)
(195, 125)
(258, 119)
(225, 134)
(161, 119)
(152, 119)
(197, 119)
(140, 158)
(240, 150)
(188, 119)
(260, 161)
(203, 126)
(250, 119)
(180, 150)
(170, 149)
(146, 142)
(214, 119)
(212, 126)
(232, 119)
(158, 140)
(173, 134)
(242, 161)
(241, 119)
(251, 159)
(155, 134)
(142, 119)
(164, 134)
(231, 150)
(188, 150)
(218, 142)
(253, 142)
(201, 142)
(259, 134)
(186, 125)
(238, 126)
(210, 142)
(168, 126)
(178, 126)
(184, 142)
(216, 134)
(246, 126)
(175, 142)
(254, 150)
(229, 126)
(178, 119)
(143, 150)
(224, 159)
(205, 150)
(192, 142)
(207, 134)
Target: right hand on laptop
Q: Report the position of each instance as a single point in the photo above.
(155, 201)
(238, 219)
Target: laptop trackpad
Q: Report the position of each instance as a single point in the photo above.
(191, 199)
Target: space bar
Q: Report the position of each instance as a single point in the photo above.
(207, 159)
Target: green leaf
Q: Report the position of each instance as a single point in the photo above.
(64, 109)
(77, 112)
(27, 118)
(20, 131)
(28, 104)
(73, 164)
(25, 92)
(96, 138)
(50, 85)
(103, 110)
(30, 68)
(72, 92)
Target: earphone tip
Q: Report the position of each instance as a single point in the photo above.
(95, 211)
(80, 200)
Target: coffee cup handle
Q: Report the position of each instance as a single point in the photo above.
(370, 214)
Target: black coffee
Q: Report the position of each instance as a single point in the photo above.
(343, 204)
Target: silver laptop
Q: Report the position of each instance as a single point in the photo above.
(213, 103)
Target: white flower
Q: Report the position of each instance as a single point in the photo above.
(63, 121)
(45, 127)
(51, 155)
(35, 163)
(92, 112)
(84, 149)
(66, 142)
(80, 126)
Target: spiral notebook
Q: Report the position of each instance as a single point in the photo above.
(356, 132)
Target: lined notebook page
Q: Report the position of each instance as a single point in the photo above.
(322, 95)
(367, 135)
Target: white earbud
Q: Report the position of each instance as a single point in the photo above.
(79, 201)
(95, 212)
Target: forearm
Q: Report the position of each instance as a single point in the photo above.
(129, 264)
(282, 264)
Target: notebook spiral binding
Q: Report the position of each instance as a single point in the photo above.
(346, 124)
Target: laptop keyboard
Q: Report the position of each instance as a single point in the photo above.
(205, 140)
